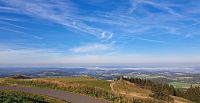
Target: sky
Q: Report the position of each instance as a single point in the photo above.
(98, 32)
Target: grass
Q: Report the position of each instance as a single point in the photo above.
(86, 86)
(131, 90)
(80, 84)
(90, 82)
(22, 97)
(1, 80)
(81, 81)
(181, 85)
(181, 100)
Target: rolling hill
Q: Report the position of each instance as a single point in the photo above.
(113, 90)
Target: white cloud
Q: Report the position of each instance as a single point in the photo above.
(92, 48)
(21, 32)
(151, 40)
(40, 57)
(7, 23)
(134, 5)
(11, 56)
(122, 24)
(161, 6)
(106, 35)
(59, 12)
(67, 14)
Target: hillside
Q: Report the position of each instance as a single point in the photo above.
(129, 89)
(118, 90)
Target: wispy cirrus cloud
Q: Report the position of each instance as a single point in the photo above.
(3, 8)
(65, 13)
(7, 23)
(142, 22)
(164, 7)
(170, 12)
(21, 32)
(56, 11)
(9, 19)
(92, 48)
(6, 9)
(151, 40)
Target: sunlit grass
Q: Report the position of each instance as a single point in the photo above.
(181, 100)
(90, 82)
(84, 85)
(130, 89)
(7, 96)
(182, 85)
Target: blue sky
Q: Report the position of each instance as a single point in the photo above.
(63, 32)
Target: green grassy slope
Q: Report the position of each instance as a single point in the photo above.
(182, 85)
(91, 82)
(21, 97)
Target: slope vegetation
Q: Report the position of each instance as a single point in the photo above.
(118, 91)
(22, 97)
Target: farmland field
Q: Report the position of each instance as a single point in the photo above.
(182, 85)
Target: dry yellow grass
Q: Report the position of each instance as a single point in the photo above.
(181, 100)
(129, 90)
(90, 82)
